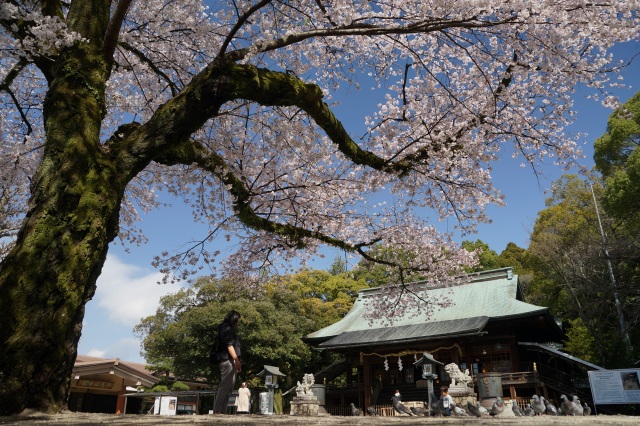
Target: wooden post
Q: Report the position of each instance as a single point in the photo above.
(368, 389)
(120, 401)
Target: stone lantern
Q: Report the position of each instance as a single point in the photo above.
(429, 372)
(270, 375)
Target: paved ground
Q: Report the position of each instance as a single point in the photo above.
(257, 420)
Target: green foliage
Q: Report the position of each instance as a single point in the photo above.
(178, 337)
(179, 386)
(159, 388)
(580, 342)
(571, 271)
(277, 402)
(617, 157)
(377, 274)
(622, 197)
(339, 266)
(515, 257)
(322, 297)
(487, 259)
(542, 290)
(612, 150)
(373, 274)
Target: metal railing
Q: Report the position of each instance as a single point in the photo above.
(563, 382)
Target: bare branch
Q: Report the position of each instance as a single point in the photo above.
(364, 29)
(13, 74)
(140, 55)
(241, 20)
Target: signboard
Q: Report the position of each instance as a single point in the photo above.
(100, 384)
(615, 386)
(165, 405)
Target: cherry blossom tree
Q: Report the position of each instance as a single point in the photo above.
(230, 105)
(12, 209)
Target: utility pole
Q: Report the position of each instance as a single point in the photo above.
(616, 296)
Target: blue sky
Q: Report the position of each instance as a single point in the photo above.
(127, 289)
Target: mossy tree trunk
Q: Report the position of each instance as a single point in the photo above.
(51, 273)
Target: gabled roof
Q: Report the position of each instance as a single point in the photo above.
(271, 370)
(489, 295)
(408, 333)
(86, 365)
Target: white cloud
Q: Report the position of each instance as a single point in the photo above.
(128, 292)
(127, 349)
(98, 353)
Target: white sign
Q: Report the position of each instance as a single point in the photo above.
(615, 386)
(166, 405)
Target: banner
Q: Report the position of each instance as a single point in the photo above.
(615, 386)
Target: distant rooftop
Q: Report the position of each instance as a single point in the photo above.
(489, 295)
(86, 365)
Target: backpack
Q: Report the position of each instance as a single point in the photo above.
(214, 353)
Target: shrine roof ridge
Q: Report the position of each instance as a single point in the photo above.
(494, 295)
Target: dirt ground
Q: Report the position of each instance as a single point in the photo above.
(258, 420)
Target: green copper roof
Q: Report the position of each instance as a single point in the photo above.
(488, 295)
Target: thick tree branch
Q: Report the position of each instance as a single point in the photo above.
(111, 36)
(166, 138)
(191, 152)
(202, 98)
(272, 88)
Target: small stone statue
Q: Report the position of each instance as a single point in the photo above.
(304, 388)
(305, 403)
(458, 378)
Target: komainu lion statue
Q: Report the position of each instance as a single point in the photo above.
(304, 388)
(457, 376)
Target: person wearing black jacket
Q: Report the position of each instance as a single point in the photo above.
(228, 360)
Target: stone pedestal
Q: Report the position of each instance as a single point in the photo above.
(461, 401)
(306, 406)
(461, 390)
(461, 395)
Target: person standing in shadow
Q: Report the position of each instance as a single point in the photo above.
(228, 360)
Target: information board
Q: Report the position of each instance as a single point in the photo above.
(165, 405)
(615, 386)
